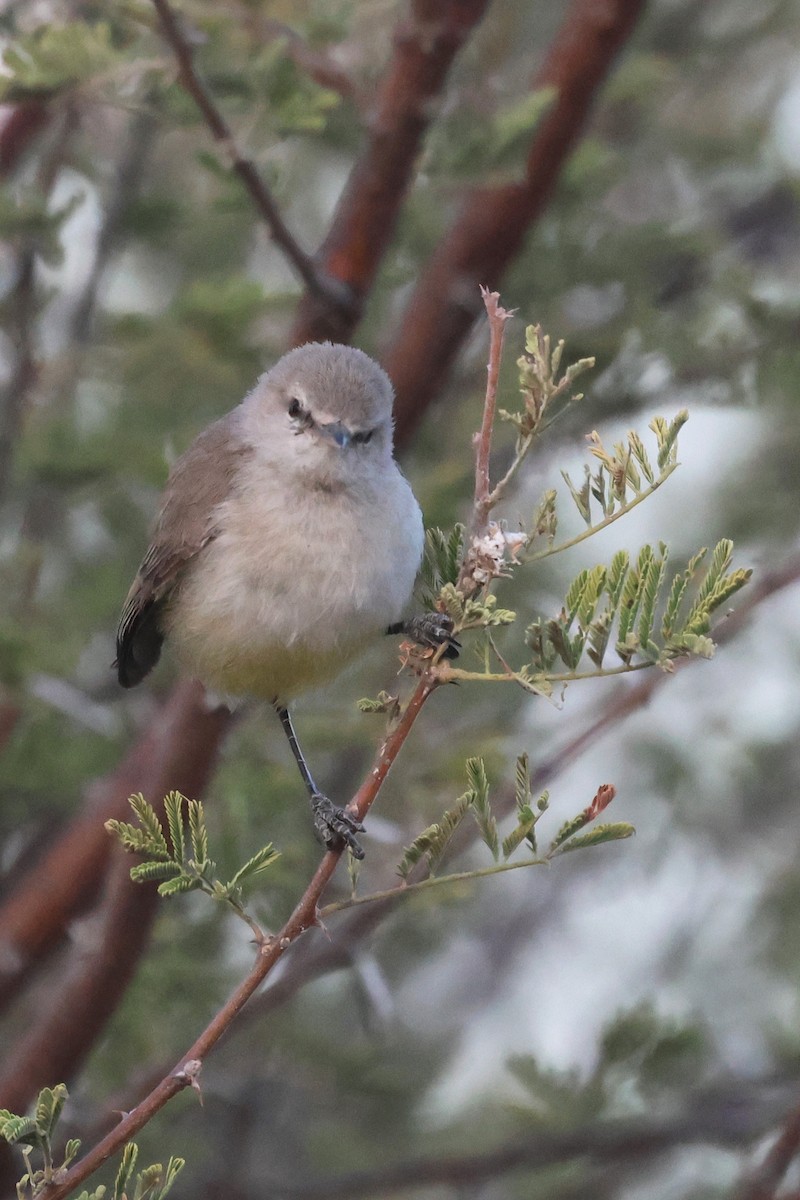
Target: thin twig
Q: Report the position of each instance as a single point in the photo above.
(303, 917)
(483, 441)
(323, 288)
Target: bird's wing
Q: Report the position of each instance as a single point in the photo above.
(198, 483)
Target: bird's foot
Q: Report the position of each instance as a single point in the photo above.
(334, 826)
(431, 630)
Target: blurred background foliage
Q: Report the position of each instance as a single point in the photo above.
(648, 981)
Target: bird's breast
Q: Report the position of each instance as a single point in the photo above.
(295, 583)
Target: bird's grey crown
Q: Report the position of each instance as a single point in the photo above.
(343, 380)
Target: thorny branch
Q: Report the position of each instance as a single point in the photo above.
(269, 953)
(326, 290)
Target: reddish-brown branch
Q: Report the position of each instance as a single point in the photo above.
(483, 440)
(424, 47)
(19, 128)
(177, 750)
(100, 968)
(304, 915)
(765, 1181)
(325, 290)
(494, 222)
(9, 716)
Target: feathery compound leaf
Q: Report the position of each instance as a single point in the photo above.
(148, 872)
(173, 810)
(49, 1104)
(432, 842)
(676, 593)
(590, 596)
(544, 522)
(581, 495)
(638, 452)
(174, 1168)
(17, 1129)
(667, 436)
(527, 816)
(198, 832)
(570, 827)
(479, 801)
(260, 861)
(151, 825)
(126, 1169)
(599, 633)
(133, 839)
(441, 561)
(601, 833)
(178, 885)
(651, 587)
(522, 783)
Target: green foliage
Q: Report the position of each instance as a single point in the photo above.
(641, 1056)
(625, 474)
(441, 564)
(54, 56)
(432, 843)
(545, 394)
(471, 144)
(633, 596)
(179, 866)
(34, 1136)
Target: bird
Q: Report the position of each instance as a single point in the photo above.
(287, 539)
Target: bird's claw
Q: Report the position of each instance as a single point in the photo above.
(432, 630)
(334, 826)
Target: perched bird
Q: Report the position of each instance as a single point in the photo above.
(287, 539)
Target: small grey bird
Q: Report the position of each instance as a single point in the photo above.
(287, 539)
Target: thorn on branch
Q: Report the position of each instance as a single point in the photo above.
(189, 1075)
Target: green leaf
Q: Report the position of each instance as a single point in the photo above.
(198, 832)
(173, 810)
(18, 1129)
(147, 872)
(151, 825)
(260, 861)
(433, 841)
(601, 833)
(53, 56)
(478, 793)
(49, 1104)
(126, 1169)
(178, 885)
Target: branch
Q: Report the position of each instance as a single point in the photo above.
(318, 285)
(424, 47)
(711, 1119)
(21, 126)
(178, 749)
(269, 953)
(494, 222)
(55, 1044)
(483, 440)
(336, 951)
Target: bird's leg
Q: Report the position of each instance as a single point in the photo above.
(334, 827)
(430, 629)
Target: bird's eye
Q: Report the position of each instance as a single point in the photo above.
(361, 439)
(295, 408)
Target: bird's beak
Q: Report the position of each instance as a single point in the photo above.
(338, 433)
